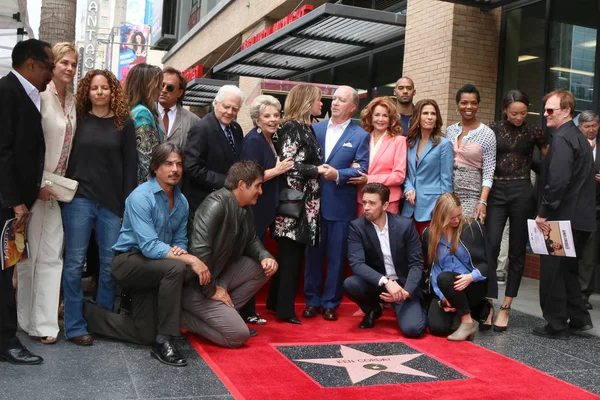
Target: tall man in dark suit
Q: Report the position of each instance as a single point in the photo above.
(173, 119)
(22, 163)
(213, 145)
(387, 263)
(568, 193)
(344, 143)
(589, 124)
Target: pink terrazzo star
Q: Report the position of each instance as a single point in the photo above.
(361, 365)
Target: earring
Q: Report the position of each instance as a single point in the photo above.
(259, 130)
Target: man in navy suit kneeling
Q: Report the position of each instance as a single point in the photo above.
(387, 264)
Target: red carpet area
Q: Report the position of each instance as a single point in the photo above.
(337, 360)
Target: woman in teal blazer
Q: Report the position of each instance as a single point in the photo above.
(430, 164)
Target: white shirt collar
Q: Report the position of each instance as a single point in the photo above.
(29, 88)
(344, 125)
(385, 227)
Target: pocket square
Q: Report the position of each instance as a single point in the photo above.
(347, 144)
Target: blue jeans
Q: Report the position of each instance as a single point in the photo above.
(79, 216)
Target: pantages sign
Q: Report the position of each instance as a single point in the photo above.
(91, 37)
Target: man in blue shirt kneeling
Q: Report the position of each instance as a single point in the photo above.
(150, 262)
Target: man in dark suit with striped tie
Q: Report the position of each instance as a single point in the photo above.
(213, 145)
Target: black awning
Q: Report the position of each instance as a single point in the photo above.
(202, 91)
(327, 34)
(485, 5)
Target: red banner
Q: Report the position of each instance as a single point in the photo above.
(299, 13)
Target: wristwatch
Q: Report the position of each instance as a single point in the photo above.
(384, 281)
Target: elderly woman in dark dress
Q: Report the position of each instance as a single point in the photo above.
(265, 112)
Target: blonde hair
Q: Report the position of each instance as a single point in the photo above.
(63, 48)
(299, 102)
(442, 212)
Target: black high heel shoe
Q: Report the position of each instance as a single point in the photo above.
(489, 315)
(502, 328)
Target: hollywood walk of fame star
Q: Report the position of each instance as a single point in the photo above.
(361, 365)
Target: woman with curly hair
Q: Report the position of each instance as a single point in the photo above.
(387, 151)
(142, 87)
(103, 161)
(430, 164)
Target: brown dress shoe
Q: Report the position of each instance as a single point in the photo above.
(330, 314)
(82, 340)
(311, 311)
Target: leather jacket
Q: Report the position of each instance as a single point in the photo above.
(223, 232)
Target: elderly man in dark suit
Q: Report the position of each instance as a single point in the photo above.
(589, 124)
(568, 193)
(22, 163)
(387, 264)
(213, 145)
(174, 120)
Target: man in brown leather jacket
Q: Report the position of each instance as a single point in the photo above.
(223, 237)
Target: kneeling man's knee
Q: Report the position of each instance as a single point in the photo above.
(352, 284)
(236, 338)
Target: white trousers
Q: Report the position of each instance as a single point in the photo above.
(39, 276)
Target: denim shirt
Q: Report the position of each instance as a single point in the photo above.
(149, 224)
(459, 262)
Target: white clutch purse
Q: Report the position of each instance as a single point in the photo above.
(65, 188)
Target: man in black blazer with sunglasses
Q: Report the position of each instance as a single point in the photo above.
(214, 144)
(22, 151)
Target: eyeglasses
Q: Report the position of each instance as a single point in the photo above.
(47, 63)
(550, 111)
(170, 88)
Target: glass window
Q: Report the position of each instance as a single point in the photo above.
(524, 55)
(572, 51)
(355, 74)
(104, 22)
(387, 68)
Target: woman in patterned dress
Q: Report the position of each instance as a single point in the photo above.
(297, 140)
(39, 277)
(474, 154)
(142, 87)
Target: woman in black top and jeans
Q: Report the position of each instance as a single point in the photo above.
(512, 195)
(104, 162)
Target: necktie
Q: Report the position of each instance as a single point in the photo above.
(231, 141)
(166, 121)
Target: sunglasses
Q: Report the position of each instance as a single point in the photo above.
(170, 88)
(47, 63)
(550, 111)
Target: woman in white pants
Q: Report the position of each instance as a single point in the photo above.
(39, 276)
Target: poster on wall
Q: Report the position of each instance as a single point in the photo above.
(133, 49)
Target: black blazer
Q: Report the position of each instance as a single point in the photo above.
(208, 157)
(22, 147)
(597, 171)
(366, 258)
(257, 148)
(567, 183)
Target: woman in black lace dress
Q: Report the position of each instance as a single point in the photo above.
(296, 140)
(512, 194)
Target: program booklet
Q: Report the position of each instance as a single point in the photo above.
(14, 244)
(557, 242)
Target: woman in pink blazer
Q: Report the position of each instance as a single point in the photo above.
(387, 151)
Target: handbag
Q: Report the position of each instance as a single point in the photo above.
(291, 203)
(64, 188)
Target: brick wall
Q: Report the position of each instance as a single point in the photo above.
(448, 45)
(532, 266)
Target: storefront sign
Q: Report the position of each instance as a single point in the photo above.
(91, 38)
(299, 13)
(193, 73)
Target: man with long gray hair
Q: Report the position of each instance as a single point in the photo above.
(213, 145)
